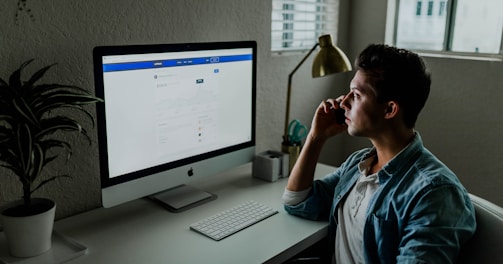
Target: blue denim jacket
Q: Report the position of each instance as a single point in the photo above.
(420, 214)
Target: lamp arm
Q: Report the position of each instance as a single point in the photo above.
(289, 92)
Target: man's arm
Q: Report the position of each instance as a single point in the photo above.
(440, 223)
(323, 127)
(302, 174)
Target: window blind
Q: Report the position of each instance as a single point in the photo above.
(297, 24)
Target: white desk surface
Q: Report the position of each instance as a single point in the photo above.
(142, 232)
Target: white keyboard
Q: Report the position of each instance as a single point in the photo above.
(228, 222)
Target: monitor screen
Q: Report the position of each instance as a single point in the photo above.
(172, 113)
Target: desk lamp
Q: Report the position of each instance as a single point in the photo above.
(330, 59)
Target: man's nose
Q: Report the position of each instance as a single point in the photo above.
(344, 104)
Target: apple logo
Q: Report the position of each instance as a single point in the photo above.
(190, 172)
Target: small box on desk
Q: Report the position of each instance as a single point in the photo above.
(271, 165)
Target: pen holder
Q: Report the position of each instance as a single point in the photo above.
(270, 165)
(293, 151)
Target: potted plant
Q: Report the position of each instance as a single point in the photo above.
(33, 117)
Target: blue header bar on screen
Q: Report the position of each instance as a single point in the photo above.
(141, 65)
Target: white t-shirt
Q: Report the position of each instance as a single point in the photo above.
(351, 217)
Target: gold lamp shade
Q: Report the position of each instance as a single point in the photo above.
(330, 59)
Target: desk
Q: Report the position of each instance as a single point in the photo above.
(142, 232)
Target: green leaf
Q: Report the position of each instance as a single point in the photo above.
(54, 143)
(49, 180)
(53, 124)
(15, 78)
(24, 147)
(36, 76)
(25, 111)
(82, 110)
(37, 161)
(57, 99)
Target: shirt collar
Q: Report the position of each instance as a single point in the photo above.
(399, 161)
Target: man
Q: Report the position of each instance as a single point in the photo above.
(392, 203)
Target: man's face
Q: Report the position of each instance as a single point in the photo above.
(364, 116)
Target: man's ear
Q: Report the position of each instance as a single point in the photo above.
(392, 109)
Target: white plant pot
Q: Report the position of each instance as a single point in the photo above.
(29, 236)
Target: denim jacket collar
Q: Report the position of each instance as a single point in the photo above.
(400, 161)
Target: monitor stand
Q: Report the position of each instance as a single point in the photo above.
(182, 197)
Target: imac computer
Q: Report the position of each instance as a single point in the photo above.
(173, 113)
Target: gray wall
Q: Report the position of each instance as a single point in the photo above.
(464, 97)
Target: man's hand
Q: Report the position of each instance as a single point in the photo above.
(324, 123)
(323, 126)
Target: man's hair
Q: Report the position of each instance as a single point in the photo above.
(398, 75)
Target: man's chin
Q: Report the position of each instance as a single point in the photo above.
(354, 133)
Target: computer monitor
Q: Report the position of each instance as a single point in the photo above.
(173, 113)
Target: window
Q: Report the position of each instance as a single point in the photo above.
(297, 24)
(430, 8)
(418, 8)
(449, 25)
